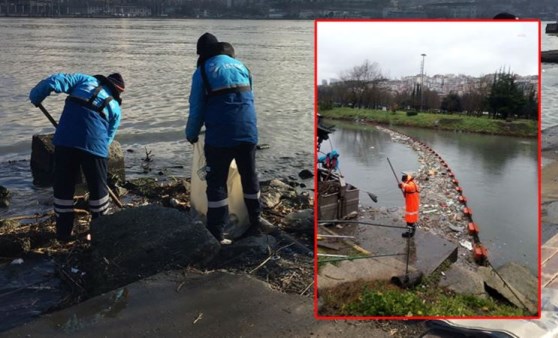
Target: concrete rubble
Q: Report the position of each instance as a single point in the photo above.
(142, 241)
(42, 161)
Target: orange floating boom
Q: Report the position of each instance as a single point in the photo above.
(473, 229)
(480, 253)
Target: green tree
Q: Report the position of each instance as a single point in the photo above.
(506, 99)
(452, 103)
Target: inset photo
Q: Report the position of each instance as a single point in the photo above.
(428, 180)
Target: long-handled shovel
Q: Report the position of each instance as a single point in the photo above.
(393, 171)
(49, 117)
(410, 279)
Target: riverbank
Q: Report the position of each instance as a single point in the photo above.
(458, 123)
(27, 241)
(453, 289)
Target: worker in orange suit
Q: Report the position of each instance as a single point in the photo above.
(412, 201)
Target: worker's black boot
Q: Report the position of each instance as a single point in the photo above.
(217, 232)
(410, 232)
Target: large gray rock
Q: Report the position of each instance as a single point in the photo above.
(463, 281)
(139, 242)
(520, 287)
(42, 161)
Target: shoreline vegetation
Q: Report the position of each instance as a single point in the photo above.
(448, 122)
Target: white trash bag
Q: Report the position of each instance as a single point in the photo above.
(238, 214)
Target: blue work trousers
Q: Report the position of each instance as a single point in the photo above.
(218, 161)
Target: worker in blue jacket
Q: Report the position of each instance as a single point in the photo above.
(221, 97)
(87, 126)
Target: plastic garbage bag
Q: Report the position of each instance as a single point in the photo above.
(238, 214)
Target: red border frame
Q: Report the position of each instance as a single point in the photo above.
(539, 169)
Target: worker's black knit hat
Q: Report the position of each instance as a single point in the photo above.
(117, 80)
(505, 16)
(206, 40)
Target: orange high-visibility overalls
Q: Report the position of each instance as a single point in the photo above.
(412, 200)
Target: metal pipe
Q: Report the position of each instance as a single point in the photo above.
(394, 174)
(356, 257)
(359, 222)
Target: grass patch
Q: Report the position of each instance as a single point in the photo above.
(484, 125)
(381, 298)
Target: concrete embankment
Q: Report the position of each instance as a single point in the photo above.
(189, 304)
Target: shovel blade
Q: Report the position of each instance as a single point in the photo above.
(407, 281)
(373, 197)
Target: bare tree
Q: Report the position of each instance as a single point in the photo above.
(361, 81)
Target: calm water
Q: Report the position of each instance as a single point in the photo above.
(157, 59)
(498, 176)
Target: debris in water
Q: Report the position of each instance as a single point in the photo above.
(466, 244)
(200, 316)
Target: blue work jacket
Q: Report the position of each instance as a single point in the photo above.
(224, 103)
(84, 124)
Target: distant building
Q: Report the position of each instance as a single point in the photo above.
(451, 10)
(404, 13)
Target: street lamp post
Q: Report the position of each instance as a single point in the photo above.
(421, 81)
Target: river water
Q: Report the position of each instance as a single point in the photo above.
(157, 59)
(498, 175)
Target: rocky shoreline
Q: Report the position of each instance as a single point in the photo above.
(156, 232)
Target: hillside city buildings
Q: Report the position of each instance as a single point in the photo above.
(444, 84)
(281, 9)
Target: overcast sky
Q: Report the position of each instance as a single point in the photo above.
(470, 48)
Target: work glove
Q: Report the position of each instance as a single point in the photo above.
(192, 140)
(36, 103)
(400, 185)
(35, 98)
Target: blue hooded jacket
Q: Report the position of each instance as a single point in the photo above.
(81, 126)
(228, 113)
